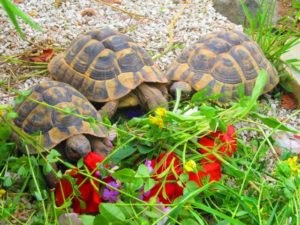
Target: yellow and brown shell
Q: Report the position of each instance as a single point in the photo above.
(53, 125)
(223, 62)
(105, 65)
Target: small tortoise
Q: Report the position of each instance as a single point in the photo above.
(221, 62)
(56, 127)
(108, 67)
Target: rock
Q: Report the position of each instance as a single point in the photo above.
(292, 79)
(287, 141)
(233, 10)
(289, 101)
(88, 12)
(69, 218)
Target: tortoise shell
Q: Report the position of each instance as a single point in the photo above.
(53, 125)
(105, 65)
(223, 61)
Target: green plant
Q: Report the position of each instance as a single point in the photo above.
(13, 11)
(274, 41)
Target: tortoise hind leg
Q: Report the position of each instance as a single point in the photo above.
(109, 109)
(150, 97)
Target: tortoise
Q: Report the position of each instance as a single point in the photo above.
(221, 62)
(72, 135)
(110, 68)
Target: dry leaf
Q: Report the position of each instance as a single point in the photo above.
(18, 1)
(44, 57)
(289, 101)
(33, 13)
(88, 12)
(112, 1)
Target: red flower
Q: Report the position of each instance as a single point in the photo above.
(220, 143)
(213, 170)
(88, 193)
(171, 188)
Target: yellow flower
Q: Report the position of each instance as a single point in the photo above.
(292, 162)
(161, 112)
(2, 192)
(156, 120)
(190, 166)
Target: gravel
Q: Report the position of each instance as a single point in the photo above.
(62, 24)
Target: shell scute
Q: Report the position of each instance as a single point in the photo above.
(104, 55)
(54, 125)
(230, 58)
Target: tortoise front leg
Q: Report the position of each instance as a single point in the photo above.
(101, 146)
(109, 109)
(150, 97)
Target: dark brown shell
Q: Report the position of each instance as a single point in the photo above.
(223, 61)
(53, 125)
(105, 65)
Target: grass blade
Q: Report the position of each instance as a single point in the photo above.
(12, 11)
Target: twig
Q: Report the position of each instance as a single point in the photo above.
(171, 30)
(134, 15)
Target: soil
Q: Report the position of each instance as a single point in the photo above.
(285, 9)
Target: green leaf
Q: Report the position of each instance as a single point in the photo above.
(7, 181)
(12, 115)
(26, 93)
(184, 177)
(19, 100)
(200, 95)
(22, 171)
(87, 219)
(152, 214)
(112, 212)
(213, 124)
(124, 175)
(149, 184)
(47, 168)
(80, 163)
(38, 196)
(123, 153)
(144, 149)
(191, 186)
(53, 156)
(273, 123)
(101, 219)
(260, 83)
(5, 150)
(135, 184)
(189, 221)
(288, 193)
(142, 171)
(207, 111)
(222, 126)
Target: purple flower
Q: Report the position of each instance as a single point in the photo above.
(109, 194)
(144, 195)
(148, 163)
(97, 174)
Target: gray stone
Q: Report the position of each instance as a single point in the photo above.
(69, 219)
(293, 76)
(233, 10)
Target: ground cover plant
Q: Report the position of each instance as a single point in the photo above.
(185, 165)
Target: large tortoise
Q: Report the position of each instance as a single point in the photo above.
(109, 67)
(58, 128)
(221, 62)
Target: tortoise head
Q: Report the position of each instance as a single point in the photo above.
(150, 96)
(186, 88)
(77, 146)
